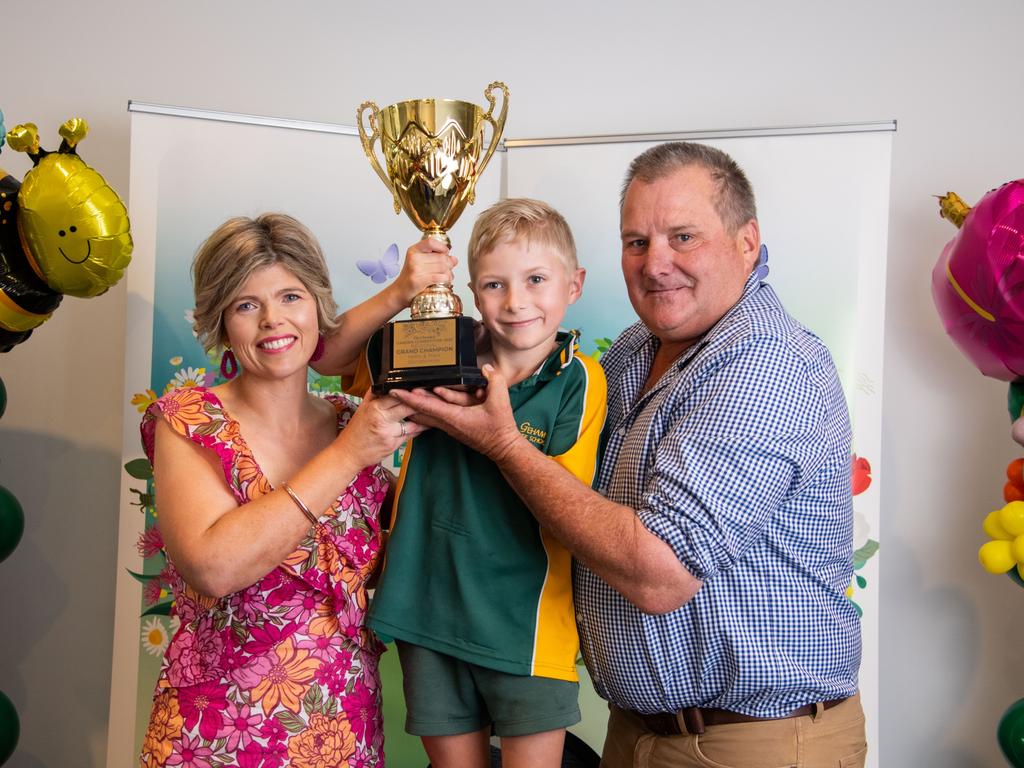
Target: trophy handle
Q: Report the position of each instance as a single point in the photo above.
(496, 125)
(367, 142)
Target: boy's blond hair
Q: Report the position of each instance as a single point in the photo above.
(520, 217)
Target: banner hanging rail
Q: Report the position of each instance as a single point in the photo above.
(350, 130)
(234, 117)
(732, 133)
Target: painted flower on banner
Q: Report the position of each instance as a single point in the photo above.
(142, 400)
(863, 545)
(155, 636)
(150, 543)
(188, 377)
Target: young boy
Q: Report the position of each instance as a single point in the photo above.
(477, 596)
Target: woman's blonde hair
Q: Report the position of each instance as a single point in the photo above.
(241, 246)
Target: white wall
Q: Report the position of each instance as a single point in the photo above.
(948, 72)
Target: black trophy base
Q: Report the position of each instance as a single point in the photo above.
(453, 377)
(439, 352)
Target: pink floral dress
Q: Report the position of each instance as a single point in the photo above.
(284, 672)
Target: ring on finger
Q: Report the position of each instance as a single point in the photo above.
(401, 425)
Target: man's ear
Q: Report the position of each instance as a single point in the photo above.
(748, 240)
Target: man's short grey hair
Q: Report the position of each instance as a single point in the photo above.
(735, 200)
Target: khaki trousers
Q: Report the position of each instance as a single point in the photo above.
(833, 738)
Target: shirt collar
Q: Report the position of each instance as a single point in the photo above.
(567, 348)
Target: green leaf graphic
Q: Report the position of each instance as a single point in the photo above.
(140, 469)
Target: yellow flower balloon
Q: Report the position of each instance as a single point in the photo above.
(1011, 517)
(1006, 550)
(993, 527)
(996, 556)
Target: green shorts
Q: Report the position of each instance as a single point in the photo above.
(445, 696)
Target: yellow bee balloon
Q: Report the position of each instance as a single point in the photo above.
(63, 230)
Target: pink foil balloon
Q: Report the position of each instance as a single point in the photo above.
(978, 284)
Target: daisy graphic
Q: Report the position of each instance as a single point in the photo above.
(188, 377)
(154, 636)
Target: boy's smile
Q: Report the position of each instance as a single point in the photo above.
(522, 291)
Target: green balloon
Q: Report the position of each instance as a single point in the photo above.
(12, 523)
(1011, 734)
(1015, 577)
(1015, 399)
(9, 728)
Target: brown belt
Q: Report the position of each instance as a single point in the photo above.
(692, 720)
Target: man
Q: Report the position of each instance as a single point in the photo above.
(712, 562)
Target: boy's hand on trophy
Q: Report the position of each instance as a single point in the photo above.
(427, 262)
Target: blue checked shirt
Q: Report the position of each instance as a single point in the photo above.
(739, 459)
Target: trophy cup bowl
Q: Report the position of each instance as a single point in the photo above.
(434, 154)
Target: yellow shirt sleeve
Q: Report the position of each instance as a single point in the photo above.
(581, 459)
(360, 381)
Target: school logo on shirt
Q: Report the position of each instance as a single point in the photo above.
(533, 434)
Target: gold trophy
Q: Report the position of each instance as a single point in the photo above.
(434, 153)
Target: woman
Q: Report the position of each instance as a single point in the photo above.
(268, 500)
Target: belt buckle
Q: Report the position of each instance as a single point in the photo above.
(685, 721)
(693, 719)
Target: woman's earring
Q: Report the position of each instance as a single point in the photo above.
(228, 364)
(318, 351)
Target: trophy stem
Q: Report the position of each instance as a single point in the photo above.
(436, 233)
(437, 300)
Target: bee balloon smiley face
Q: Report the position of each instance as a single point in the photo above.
(63, 230)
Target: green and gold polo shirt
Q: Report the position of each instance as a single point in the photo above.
(468, 571)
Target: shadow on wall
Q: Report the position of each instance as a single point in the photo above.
(57, 597)
(939, 608)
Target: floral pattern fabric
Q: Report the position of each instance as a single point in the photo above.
(283, 672)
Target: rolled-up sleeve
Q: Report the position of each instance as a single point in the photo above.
(750, 434)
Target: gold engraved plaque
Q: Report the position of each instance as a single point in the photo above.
(424, 343)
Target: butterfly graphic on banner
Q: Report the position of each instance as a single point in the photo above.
(382, 269)
(762, 262)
